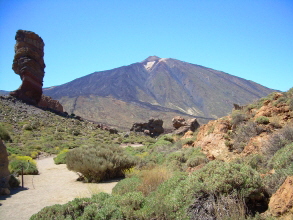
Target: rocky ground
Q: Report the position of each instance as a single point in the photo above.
(55, 185)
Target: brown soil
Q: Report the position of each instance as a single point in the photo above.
(55, 185)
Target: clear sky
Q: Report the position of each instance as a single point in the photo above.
(250, 39)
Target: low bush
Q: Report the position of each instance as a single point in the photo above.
(278, 140)
(17, 163)
(272, 182)
(237, 117)
(179, 197)
(188, 157)
(282, 163)
(61, 157)
(126, 185)
(283, 158)
(262, 120)
(100, 162)
(99, 206)
(151, 179)
(242, 135)
(219, 190)
(4, 135)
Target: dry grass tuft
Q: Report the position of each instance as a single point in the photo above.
(151, 179)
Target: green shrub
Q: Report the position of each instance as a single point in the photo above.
(278, 140)
(283, 158)
(100, 162)
(262, 120)
(273, 181)
(4, 135)
(188, 157)
(16, 163)
(242, 135)
(237, 117)
(126, 185)
(61, 157)
(282, 162)
(180, 197)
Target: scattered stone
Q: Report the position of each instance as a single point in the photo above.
(152, 128)
(281, 203)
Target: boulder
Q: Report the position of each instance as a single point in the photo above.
(193, 124)
(29, 64)
(281, 203)
(178, 122)
(154, 127)
(49, 103)
(4, 172)
(183, 126)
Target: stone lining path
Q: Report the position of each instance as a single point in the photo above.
(55, 185)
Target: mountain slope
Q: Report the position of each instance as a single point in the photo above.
(3, 92)
(155, 87)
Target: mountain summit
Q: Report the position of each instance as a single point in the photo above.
(155, 87)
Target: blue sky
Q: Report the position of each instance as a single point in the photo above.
(250, 39)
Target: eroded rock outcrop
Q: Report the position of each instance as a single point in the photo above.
(154, 127)
(4, 172)
(48, 102)
(183, 126)
(281, 203)
(29, 64)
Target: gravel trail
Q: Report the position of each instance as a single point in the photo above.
(54, 185)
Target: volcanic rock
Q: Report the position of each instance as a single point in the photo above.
(4, 172)
(282, 201)
(178, 122)
(48, 102)
(183, 126)
(152, 128)
(29, 64)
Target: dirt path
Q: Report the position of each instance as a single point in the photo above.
(54, 185)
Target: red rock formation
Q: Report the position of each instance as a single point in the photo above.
(29, 64)
(281, 203)
(48, 102)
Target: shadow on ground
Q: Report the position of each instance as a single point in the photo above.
(12, 192)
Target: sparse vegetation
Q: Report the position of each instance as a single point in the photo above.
(157, 185)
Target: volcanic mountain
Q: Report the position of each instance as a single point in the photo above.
(155, 87)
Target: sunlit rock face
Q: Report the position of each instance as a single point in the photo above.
(29, 64)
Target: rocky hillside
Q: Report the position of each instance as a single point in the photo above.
(155, 87)
(235, 167)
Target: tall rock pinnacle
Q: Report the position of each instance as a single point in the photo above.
(29, 64)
